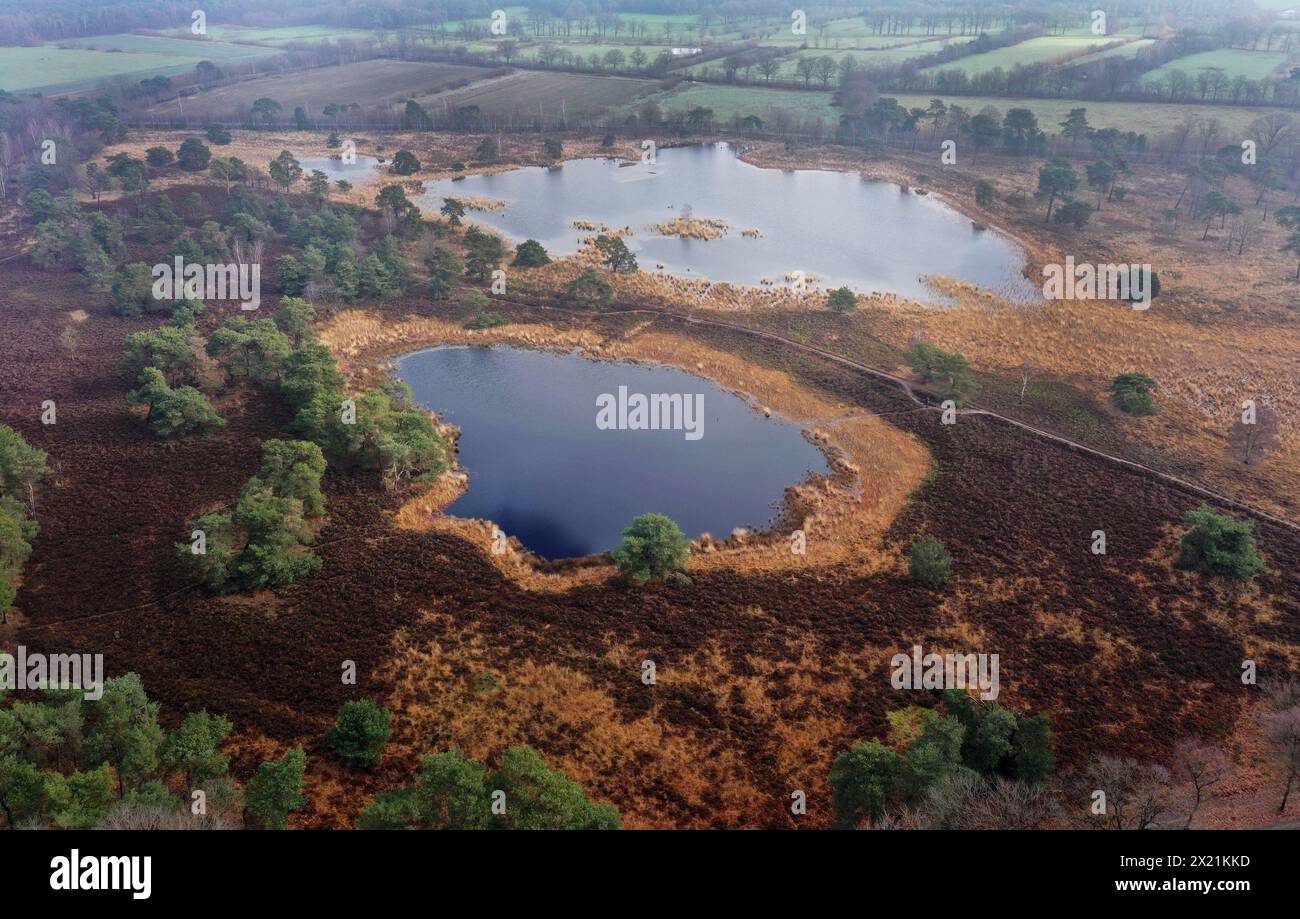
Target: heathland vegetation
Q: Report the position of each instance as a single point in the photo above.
(245, 475)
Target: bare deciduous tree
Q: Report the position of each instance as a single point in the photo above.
(1137, 794)
(1028, 370)
(1251, 441)
(1200, 766)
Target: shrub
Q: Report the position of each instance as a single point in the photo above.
(455, 793)
(360, 734)
(1219, 545)
(218, 134)
(842, 300)
(589, 289)
(652, 547)
(193, 155)
(530, 254)
(1133, 394)
(405, 163)
(276, 790)
(175, 412)
(949, 373)
(159, 157)
(984, 193)
(862, 780)
(929, 562)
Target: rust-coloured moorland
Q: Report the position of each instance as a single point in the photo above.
(763, 674)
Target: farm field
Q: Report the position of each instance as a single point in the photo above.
(1033, 51)
(1234, 63)
(584, 50)
(282, 35)
(367, 83)
(729, 101)
(49, 69)
(902, 51)
(528, 94)
(1129, 49)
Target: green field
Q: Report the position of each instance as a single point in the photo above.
(1143, 117)
(1033, 51)
(1127, 50)
(50, 69)
(1253, 65)
(282, 35)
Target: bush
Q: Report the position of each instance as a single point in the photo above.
(175, 412)
(1133, 394)
(193, 155)
(218, 134)
(929, 563)
(984, 193)
(1219, 545)
(652, 547)
(842, 300)
(862, 781)
(589, 289)
(405, 163)
(455, 793)
(360, 734)
(159, 157)
(276, 790)
(949, 373)
(530, 254)
(1076, 213)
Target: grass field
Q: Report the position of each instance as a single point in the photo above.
(1253, 65)
(1126, 50)
(529, 94)
(1148, 117)
(281, 35)
(50, 69)
(1027, 52)
(367, 83)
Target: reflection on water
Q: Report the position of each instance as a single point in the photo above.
(337, 169)
(541, 468)
(834, 226)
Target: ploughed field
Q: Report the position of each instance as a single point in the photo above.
(762, 677)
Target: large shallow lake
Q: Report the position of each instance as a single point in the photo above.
(542, 469)
(836, 226)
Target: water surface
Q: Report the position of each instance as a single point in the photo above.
(362, 169)
(837, 226)
(544, 472)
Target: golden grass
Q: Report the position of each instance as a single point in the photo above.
(843, 515)
(692, 228)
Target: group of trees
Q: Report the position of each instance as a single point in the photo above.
(1138, 796)
(21, 469)
(71, 762)
(978, 748)
(453, 792)
(262, 542)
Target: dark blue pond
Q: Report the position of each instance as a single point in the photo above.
(541, 467)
